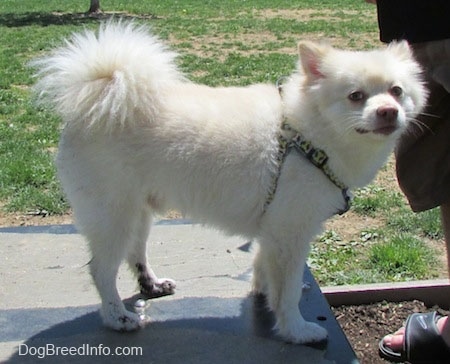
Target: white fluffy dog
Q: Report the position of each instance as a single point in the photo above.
(256, 161)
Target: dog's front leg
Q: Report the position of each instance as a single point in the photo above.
(290, 323)
(279, 275)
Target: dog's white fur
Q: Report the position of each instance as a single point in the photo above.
(139, 138)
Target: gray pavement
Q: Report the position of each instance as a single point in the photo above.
(49, 306)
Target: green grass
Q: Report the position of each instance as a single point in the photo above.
(378, 255)
(395, 251)
(231, 42)
(371, 199)
(329, 259)
(401, 257)
(427, 223)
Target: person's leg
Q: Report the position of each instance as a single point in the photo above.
(425, 151)
(445, 214)
(395, 341)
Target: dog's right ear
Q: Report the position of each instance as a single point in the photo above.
(401, 49)
(311, 55)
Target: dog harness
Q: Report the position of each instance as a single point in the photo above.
(315, 155)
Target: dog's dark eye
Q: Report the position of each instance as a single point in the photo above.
(396, 91)
(357, 96)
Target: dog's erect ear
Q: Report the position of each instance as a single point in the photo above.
(401, 49)
(311, 55)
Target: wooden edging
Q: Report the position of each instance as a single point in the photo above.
(431, 292)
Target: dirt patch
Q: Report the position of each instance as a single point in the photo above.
(41, 218)
(352, 40)
(33, 219)
(253, 42)
(242, 43)
(313, 14)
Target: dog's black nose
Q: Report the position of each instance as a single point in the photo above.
(388, 113)
(387, 120)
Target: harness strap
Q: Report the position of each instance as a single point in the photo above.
(316, 156)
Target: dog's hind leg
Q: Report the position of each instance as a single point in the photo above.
(151, 286)
(108, 245)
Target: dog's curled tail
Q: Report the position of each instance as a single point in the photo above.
(106, 79)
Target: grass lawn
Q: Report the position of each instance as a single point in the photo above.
(222, 43)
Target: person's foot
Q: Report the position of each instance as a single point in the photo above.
(425, 338)
(395, 341)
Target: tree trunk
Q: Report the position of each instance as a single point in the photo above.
(95, 7)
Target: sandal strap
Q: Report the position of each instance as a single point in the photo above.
(423, 342)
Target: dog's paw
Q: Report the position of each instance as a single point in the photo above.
(166, 285)
(303, 333)
(123, 320)
(162, 287)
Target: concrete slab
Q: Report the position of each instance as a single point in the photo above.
(48, 304)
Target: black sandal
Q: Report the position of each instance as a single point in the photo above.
(422, 342)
